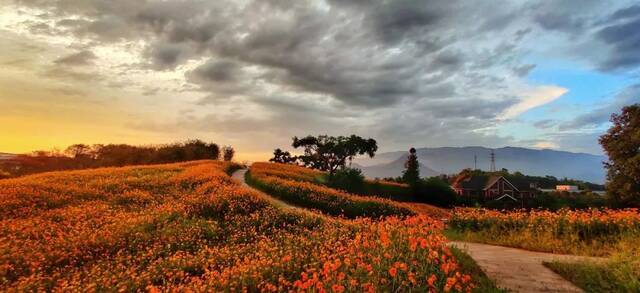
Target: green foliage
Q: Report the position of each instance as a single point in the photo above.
(558, 200)
(328, 153)
(397, 192)
(622, 145)
(617, 276)
(435, 191)
(228, 153)
(348, 179)
(283, 157)
(411, 174)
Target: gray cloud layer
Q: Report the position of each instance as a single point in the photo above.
(427, 69)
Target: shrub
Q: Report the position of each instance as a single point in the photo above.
(348, 179)
(271, 178)
(388, 189)
(435, 191)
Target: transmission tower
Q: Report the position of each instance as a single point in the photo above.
(493, 161)
(475, 162)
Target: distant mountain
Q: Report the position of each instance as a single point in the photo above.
(450, 160)
(393, 169)
(6, 156)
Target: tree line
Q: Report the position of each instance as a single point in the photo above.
(82, 156)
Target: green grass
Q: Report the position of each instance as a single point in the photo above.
(544, 242)
(600, 277)
(470, 267)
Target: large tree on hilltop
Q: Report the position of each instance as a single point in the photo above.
(622, 145)
(328, 153)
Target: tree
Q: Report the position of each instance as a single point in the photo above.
(436, 191)
(622, 145)
(328, 153)
(283, 157)
(79, 151)
(348, 179)
(411, 174)
(228, 153)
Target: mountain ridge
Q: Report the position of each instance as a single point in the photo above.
(450, 160)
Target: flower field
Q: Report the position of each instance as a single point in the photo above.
(294, 184)
(189, 227)
(593, 231)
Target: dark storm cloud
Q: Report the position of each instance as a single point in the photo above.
(77, 59)
(624, 41)
(396, 69)
(217, 71)
(560, 22)
(167, 55)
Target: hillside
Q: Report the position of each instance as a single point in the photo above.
(6, 156)
(450, 160)
(190, 227)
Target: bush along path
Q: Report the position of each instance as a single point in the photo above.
(521, 270)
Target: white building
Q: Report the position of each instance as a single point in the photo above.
(569, 188)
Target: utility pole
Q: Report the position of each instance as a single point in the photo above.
(493, 161)
(475, 162)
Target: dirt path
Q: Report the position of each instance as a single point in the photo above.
(520, 270)
(239, 177)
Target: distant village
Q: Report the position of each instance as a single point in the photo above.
(502, 185)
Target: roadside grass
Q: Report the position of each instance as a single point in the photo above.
(470, 267)
(589, 232)
(544, 242)
(616, 276)
(621, 273)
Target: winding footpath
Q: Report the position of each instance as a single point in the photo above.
(521, 270)
(238, 176)
(514, 269)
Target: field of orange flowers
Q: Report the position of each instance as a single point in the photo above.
(592, 231)
(296, 185)
(190, 227)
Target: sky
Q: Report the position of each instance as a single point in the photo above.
(253, 74)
